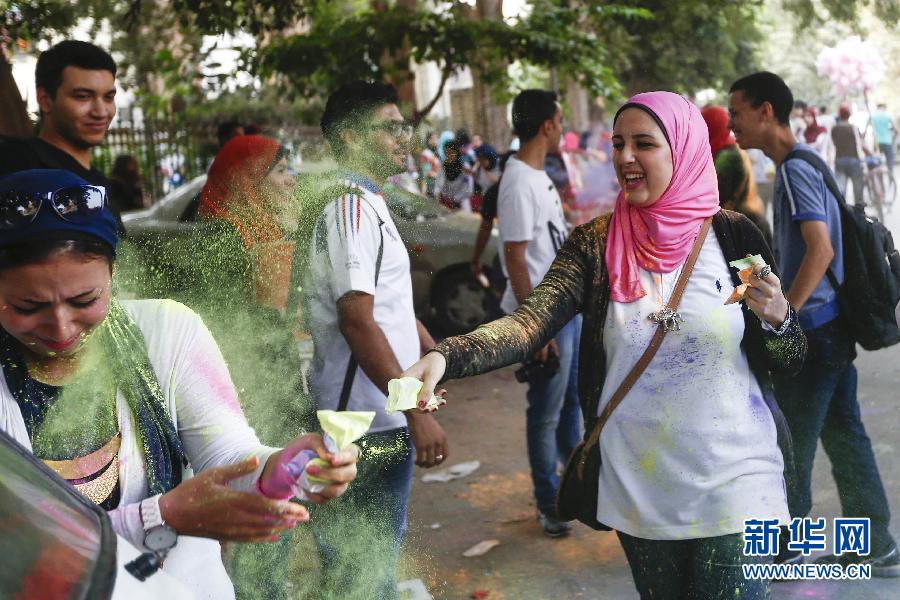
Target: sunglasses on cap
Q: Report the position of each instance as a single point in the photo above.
(75, 204)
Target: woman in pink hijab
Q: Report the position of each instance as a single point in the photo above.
(697, 445)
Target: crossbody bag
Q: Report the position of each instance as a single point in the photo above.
(576, 498)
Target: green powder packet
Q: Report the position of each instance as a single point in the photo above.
(748, 262)
(344, 427)
(403, 395)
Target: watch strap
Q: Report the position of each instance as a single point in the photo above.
(150, 514)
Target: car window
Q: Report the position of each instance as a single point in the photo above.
(53, 542)
(173, 205)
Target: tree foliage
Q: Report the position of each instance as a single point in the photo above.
(310, 46)
(687, 46)
(340, 47)
(35, 19)
(845, 11)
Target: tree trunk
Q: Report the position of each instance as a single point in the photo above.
(578, 104)
(14, 119)
(490, 117)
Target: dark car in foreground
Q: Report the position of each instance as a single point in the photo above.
(55, 543)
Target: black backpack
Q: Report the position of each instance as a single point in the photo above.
(871, 287)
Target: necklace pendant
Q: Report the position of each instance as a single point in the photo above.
(668, 318)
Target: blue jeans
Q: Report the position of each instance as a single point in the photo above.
(359, 534)
(821, 402)
(698, 569)
(553, 418)
(888, 151)
(850, 168)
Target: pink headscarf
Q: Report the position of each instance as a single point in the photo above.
(659, 237)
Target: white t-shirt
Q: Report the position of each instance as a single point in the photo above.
(459, 191)
(345, 252)
(692, 449)
(529, 210)
(203, 404)
(486, 178)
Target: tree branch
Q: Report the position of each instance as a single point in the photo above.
(419, 115)
(132, 16)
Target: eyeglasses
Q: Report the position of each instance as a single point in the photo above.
(75, 204)
(395, 128)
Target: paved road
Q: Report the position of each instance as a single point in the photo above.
(485, 422)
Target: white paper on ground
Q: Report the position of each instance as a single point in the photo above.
(481, 548)
(451, 473)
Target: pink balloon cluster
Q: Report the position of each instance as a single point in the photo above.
(853, 66)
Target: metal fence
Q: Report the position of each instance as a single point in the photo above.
(169, 152)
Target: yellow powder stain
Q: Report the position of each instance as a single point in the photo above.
(648, 462)
(499, 493)
(587, 549)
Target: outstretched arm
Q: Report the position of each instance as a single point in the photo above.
(514, 337)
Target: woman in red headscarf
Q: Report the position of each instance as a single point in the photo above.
(815, 135)
(250, 186)
(242, 266)
(737, 188)
(248, 196)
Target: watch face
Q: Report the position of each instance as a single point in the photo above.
(160, 538)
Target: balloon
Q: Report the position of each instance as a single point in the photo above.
(853, 65)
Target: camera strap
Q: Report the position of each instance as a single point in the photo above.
(655, 342)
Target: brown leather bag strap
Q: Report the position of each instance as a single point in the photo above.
(655, 342)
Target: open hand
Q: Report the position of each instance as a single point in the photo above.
(429, 370)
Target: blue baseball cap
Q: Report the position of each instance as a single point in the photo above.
(47, 224)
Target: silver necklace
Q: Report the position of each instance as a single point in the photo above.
(665, 316)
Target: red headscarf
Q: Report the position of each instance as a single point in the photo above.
(232, 190)
(659, 237)
(813, 131)
(720, 136)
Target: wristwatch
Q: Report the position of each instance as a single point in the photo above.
(158, 537)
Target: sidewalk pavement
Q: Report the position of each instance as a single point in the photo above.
(485, 421)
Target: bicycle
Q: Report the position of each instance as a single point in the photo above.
(881, 185)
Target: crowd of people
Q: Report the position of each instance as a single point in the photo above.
(458, 170)
(180, 416)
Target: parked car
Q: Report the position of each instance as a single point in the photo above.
(56, 543)
(440, 245)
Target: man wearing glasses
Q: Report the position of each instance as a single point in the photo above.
(76, 91)
(358, 291)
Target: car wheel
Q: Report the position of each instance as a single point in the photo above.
(460, 303)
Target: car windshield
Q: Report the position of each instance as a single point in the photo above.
(53, 543)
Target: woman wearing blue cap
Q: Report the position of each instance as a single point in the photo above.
(130, 401)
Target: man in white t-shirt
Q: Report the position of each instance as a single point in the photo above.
(532, 230)
(358, 292)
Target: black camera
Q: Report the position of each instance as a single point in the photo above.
(533, 371)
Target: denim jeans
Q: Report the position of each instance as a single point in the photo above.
(850, 168)
(359, 534)
(553, 418)
(698, 569)
(888, 151)
(821, 402)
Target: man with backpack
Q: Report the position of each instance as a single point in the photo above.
(809, 245)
